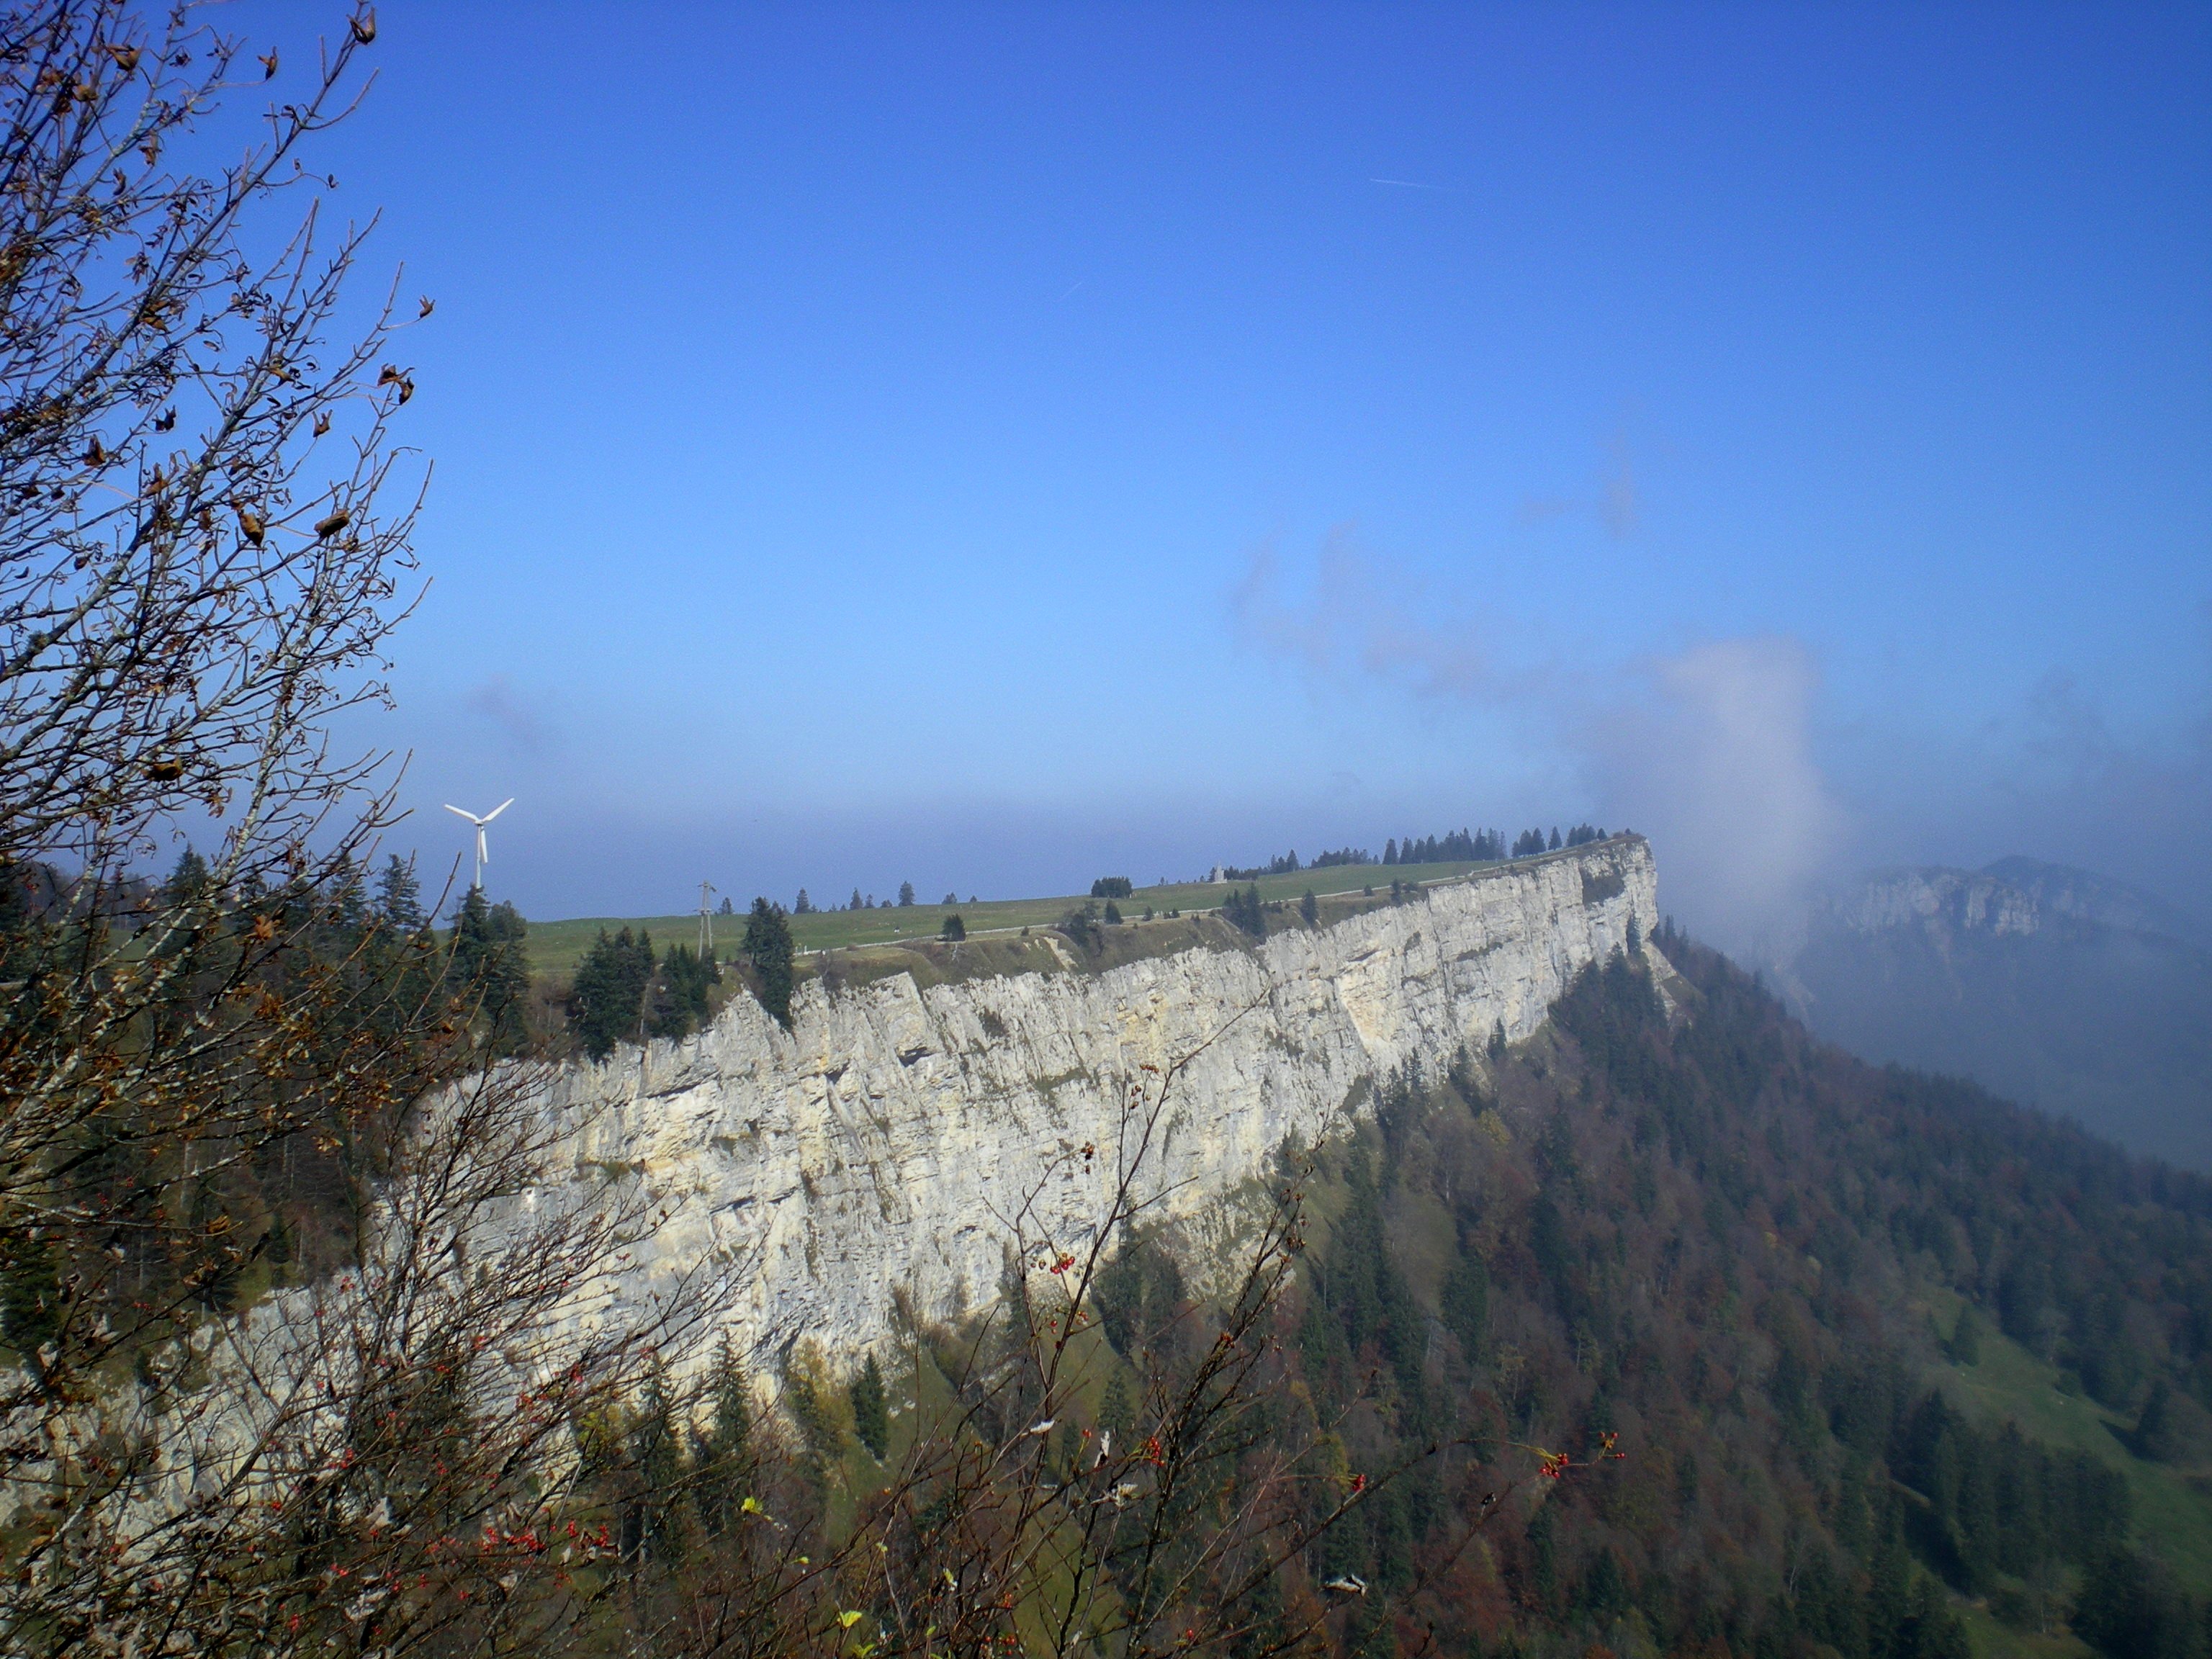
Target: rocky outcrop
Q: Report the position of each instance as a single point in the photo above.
(2014, 896)
(2060, 890)
(1940, 901)
(881, 1151)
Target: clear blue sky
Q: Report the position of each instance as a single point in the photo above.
(987, 447)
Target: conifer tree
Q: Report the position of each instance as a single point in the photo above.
(1465, 1302)
(722, 1457)
(767, 947)
(2130, 1609)
(870, 1412)
(1082, 925)
(1543, 1559)
(679, 997)
(1604, 1588)
(188, 880)
(349, 893)
(488, 972)
(1243, 909)
(606, 1006)
(1889, 1592)
(658, 1523)
(398, 895)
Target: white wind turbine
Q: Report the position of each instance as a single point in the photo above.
(483, 854)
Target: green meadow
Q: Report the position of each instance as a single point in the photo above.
(2173, 1506)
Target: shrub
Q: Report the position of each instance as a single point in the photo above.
(1082, 927)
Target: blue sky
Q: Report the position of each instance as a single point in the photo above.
(987, 447)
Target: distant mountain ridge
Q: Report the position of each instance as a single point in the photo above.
(2083, 894)
(2051, 985)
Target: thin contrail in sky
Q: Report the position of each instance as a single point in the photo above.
(1078, 283)
(1408, 184)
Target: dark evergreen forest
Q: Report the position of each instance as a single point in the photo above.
(1721, 1241)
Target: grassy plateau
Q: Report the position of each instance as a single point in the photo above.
(556, 947)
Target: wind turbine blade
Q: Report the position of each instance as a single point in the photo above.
(497, 810)
(470, 817)
(484, 851)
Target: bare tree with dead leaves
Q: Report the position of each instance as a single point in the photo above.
(288, 1277)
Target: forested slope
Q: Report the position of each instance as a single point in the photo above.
(1721, 1241)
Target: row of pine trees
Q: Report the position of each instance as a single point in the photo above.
(624, 992)
(1458, 847)
(1485, 845)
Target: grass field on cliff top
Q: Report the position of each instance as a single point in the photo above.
(556, 947)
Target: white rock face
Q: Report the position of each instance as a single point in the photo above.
(882, 1148)
(1938, 900)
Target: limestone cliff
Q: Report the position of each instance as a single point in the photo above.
(878, 1151)
(1942, 902)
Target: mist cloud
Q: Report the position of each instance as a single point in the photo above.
(1617, 503)
(2052, 775)
(1363, 619)
(1709, 752)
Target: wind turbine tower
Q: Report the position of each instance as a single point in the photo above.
(706, 919)
(484, 853)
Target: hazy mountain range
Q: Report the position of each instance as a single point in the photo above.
(2052, 985)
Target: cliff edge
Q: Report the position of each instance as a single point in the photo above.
(877, 1153)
